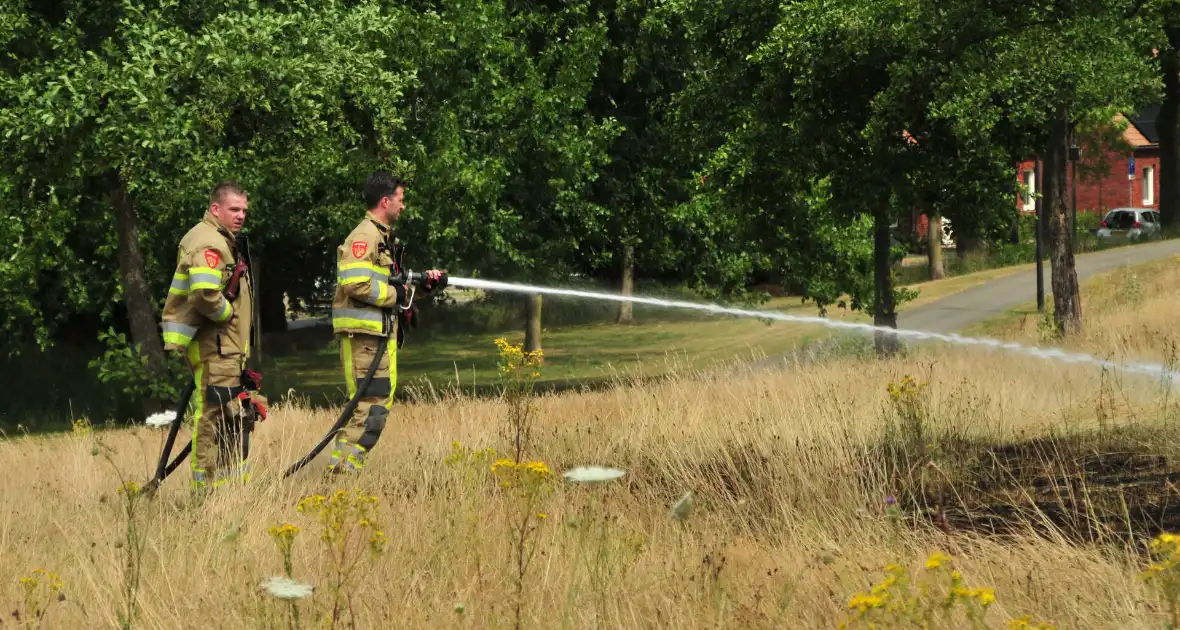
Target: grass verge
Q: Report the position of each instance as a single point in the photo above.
(815, 494)
(580, 355)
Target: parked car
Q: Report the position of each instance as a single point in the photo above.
(1129, 223)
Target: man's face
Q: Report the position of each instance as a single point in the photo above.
(230, 212)
(396, 203)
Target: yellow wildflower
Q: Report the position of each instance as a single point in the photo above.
(936, 560)
(885, 585)
(1025, 623)
(863, 602)
(311, 502)
(284, 536)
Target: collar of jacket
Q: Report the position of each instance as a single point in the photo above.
(380, 224)
(212, 222)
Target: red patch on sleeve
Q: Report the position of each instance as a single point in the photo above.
(212, 257)
(359, 248)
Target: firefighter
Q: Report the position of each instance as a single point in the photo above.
(208, 317)
(369, 310)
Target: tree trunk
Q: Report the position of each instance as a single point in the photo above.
(884, 313)
(137, 294)
(272, 311)
(628, 284)
(1067, 303)
(532, 331)
(968, 241)
(1168, 124)
(934, 245)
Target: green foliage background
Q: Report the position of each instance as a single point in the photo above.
(731, 143)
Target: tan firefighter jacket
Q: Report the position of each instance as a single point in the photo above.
(197, 314)
(364, 297)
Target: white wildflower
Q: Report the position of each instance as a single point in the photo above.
(682, 508)
(286, 588)
(593, 474)
(161, 418)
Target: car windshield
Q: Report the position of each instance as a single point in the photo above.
(1120, 219)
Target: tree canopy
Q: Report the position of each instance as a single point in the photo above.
(724, 144)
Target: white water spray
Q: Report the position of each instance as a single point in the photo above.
(1054, 354)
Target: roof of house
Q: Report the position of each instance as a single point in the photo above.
(1145, 123)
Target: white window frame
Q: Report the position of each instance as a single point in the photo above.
(1030, 195)
(1148, 185)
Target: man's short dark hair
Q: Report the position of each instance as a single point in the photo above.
(381, 184)
(217, 195)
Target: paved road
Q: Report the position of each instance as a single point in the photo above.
(955, 312)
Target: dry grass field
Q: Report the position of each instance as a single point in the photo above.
(818, 492)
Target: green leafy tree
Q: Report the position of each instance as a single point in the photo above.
(118, 118)
(758, 210)
(1162, 28)
(502, 150)
(1023, 77)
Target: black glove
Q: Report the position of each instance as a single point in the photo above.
(252, 380)
(435, 279)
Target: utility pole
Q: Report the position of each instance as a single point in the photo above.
(1040, 221)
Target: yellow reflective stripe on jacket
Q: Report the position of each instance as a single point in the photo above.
(358, 318)
(179, 334)
(360, 264)
(204, 278)
(378, 291)
(224, 312)
(358, 272)
(180, 284)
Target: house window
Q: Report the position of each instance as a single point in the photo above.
(1030, 185)
(1149, 185)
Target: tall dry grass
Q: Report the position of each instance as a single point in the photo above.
(790, 471)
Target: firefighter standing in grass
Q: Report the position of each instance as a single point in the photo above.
(208, 317)
(369, 310)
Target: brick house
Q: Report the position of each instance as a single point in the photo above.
(1104, 183)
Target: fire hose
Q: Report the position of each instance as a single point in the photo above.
(165, 468)
(344, 416)
(413, 280)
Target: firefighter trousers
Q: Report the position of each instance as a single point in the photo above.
(364, 428)
(221, 426)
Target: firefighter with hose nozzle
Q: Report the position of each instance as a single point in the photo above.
(371, 309)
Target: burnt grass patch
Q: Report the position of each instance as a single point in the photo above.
(1118, 486)
(1104, 486)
